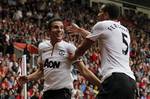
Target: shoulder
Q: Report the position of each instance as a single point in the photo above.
(101, 25)
(68, 44)
(44, 45)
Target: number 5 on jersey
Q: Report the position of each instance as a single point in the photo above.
(124, 37)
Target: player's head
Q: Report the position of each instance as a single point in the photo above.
(56, 29)
(109, 11)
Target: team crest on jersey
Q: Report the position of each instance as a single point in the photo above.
(61, 52)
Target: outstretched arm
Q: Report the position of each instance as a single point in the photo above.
(87, 73)
(34, 76)
(37, 74)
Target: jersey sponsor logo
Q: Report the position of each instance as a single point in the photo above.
(51, 64)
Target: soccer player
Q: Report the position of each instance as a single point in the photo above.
(118, 81)
(55, 66)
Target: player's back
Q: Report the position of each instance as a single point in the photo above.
(115, 47)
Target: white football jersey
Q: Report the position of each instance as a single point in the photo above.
(115, 41)
(57, 67)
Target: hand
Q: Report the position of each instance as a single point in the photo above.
(22, 80)
(73, 28)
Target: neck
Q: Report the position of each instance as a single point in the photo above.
(53, 42)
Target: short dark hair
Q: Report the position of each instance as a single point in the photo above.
(112, 9)
(55, 18)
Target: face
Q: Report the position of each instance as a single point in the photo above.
(57, 31)
(102, 15)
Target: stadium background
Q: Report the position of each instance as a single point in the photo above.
(25, 21)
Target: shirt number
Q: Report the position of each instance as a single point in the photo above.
(124, 37)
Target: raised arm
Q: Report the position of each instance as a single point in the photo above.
(86, 43)
(83, 47)
(74, 28)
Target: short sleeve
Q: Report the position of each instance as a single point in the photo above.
(71, 48)
(97, 30)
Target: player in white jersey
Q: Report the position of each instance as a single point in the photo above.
(55, 65)
(118, 81)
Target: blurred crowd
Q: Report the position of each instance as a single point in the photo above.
(26, 22)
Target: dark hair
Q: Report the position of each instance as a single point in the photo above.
(55, 18)
(112, 9)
